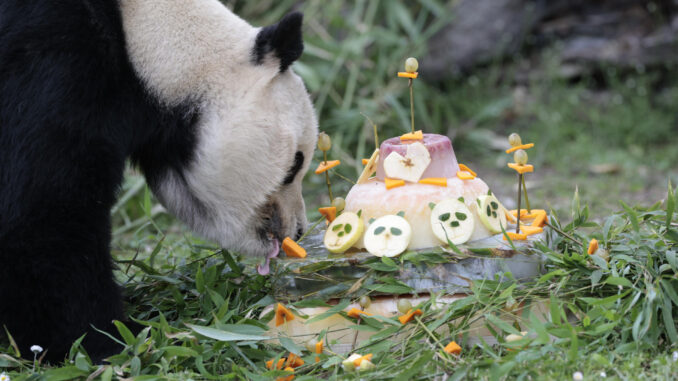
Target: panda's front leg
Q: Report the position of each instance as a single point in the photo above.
(56, 278)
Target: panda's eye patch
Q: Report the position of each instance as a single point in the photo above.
(296, 167)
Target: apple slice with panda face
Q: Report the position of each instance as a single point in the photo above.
(451, 219)
(491, 213)
(343, 232)
(388, 236)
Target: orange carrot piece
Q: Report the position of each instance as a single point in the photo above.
(593, 246)
(439, 181)
(416, 135)
(540, 219)
(465, 175)
(355, 313)
(409, 316)
(365, 161)
(522, 169)
(516, 236)
(282, 314)
(530, 230)
(522, 146)
(403, 74)
(287, 378)
(279, 365)
(467, 169)
(326, 165)
(330, 212)
(453, 348)
(294, 361)
(514, 212)
(292, 249)
(393, 183)
(367, 357)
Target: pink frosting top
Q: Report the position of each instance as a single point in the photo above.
(443, 160)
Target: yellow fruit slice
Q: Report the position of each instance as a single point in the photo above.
(370, 168)
(343, 232)
(491, 213)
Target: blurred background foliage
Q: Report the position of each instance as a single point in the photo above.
(609, 129)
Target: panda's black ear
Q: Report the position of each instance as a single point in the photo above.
(282, 39)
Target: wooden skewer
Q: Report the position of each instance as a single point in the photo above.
(520, 182)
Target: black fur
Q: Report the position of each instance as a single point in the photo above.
(296, 167)
(71, 111)
(284, 39)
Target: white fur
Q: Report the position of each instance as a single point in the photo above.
(253, 118)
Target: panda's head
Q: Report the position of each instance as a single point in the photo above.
(253, 125)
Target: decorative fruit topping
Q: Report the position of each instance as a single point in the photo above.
(520, 157)
(329, 212)
(388, 236)
(439, 181)
(355, 313)
(282, 315)
(339, 203)
(416, 135)
(324, 166)
(404, 305)
(408, 168)
(411, 65)
(348, 363)
(451, 219)
(409, 316)
(292, 249)
(453, 348)
(370, 168)
(365, 301)
(393, 183)
(515, 140)
(343, 232)
(492, 214)
(324, 142)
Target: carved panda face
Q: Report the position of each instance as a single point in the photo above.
(253, 122)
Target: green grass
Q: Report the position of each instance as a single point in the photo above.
(352, 54)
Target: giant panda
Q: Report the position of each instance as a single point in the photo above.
(205, 104)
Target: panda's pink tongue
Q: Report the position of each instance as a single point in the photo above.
(265, 268)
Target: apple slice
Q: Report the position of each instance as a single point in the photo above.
(343, 232)
(492, 213)
(370, 168)
(388, 236)
(451, 219)
(408, 168)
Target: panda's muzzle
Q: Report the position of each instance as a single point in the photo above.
(271, 226)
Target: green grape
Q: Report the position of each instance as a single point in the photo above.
(365, 301)
(514, 140)
(411, 65)
(339, 203)
(324, 142)
(520, 157)
(404, 305)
